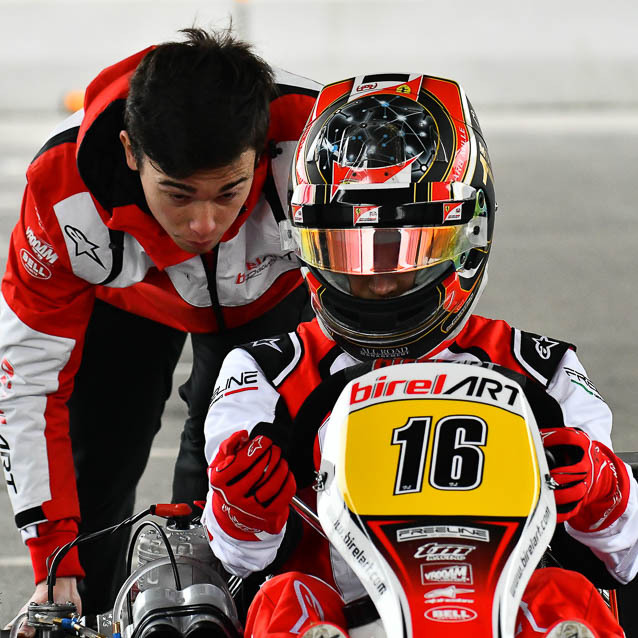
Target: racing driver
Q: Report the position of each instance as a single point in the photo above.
(392, 214)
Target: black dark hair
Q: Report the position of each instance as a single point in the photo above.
(198, 104)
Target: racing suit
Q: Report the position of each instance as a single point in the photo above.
(86, 251)
(263, 385)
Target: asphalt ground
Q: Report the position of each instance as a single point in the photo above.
(561, 266)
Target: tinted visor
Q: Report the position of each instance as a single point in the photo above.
(366, 250)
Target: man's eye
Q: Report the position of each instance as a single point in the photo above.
(178, 197)
(226, 197)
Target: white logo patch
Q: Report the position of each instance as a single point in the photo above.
(271, 343)
(83, 246)
(33, 266)
(544, 347)
(41, 248)
(443, 551)
(255, 445)
(448, 592)
(307, 600)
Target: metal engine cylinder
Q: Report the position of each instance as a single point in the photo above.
(190, 541)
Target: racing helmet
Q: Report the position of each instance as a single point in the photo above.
(392, 175)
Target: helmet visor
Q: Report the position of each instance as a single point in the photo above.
(366, 250)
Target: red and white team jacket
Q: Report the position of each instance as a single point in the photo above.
(267, 381)
(85, 231)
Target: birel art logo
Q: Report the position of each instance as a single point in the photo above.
(443, 551)
(442, 573)
(470, 386)
(448, 613)
(255, 268)
(384, 388)
(233, 385)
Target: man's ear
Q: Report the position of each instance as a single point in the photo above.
(131, 162)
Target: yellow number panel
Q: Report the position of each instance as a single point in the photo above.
(416, 457)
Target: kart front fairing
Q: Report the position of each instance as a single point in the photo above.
(436, 495)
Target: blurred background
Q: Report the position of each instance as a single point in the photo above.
(555, 85)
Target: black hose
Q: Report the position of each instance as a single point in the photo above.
(129, 560)
(61, 552)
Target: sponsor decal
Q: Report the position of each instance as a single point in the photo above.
(444, 551)
(362, 214)
(445, 594)
(351, 174)
(385, 353)
(255, 268)
(409, 88)
(544, 346)
(383, 388)
(472, 386)
(452, 211)
(37, 214)
(270, 343)
(460, 161)
(33, 266)
(255, 445)
(297, 213)
(448, 592)
(475, 386)
(530, 550)
(307, 600)
(5, 455)
(233, 519)
(6, 384)
(444, 573)
(6, 367)
(436, 531)
(448, 613)
(580, 379)
(43, 250)
(244, 382)
(83, 246)
(384, 363)
(359, 555)
(487, 169)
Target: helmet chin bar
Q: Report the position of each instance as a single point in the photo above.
(367, 329)
(416, 340)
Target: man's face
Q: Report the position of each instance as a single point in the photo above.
(196, 210)
(381, 286)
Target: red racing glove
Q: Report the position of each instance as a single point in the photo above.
(592, 482)
(252, 486)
